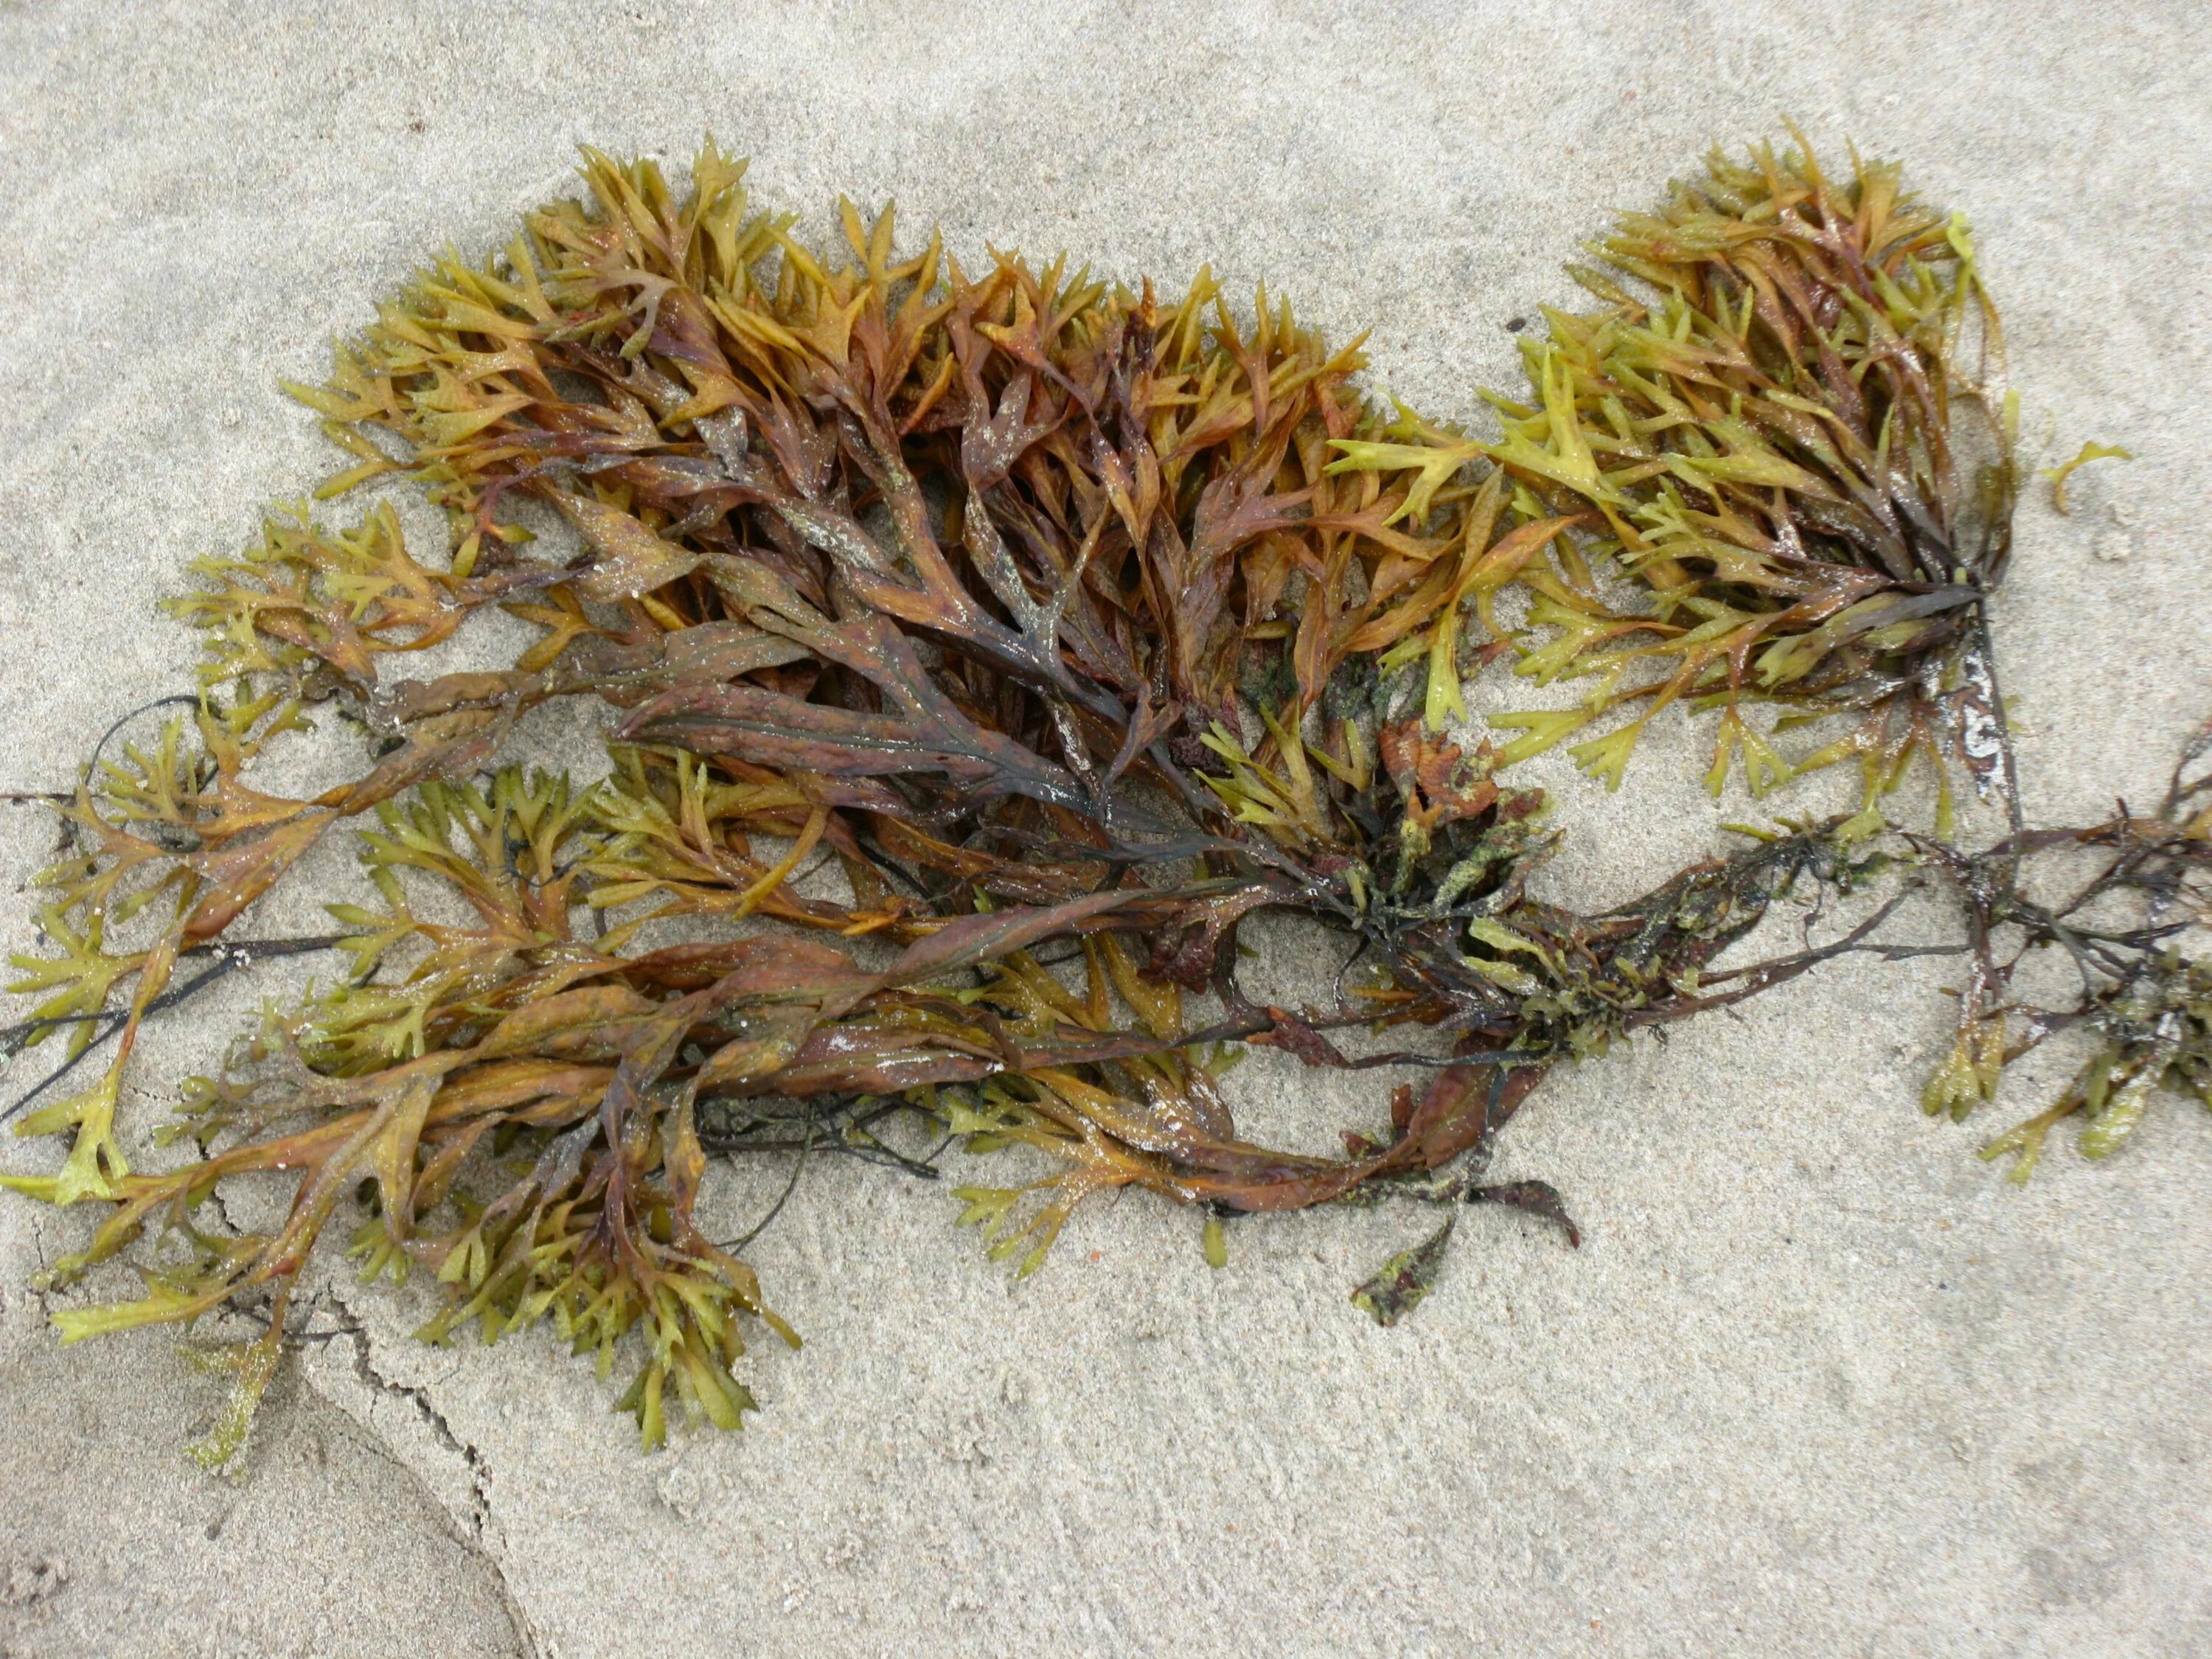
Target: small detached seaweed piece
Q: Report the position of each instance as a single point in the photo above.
(1401, 1283)
(2058, 475)
(981, 650)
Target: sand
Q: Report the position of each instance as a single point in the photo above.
(1817, 1381)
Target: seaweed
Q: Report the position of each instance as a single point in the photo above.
(1785, 432)
(980, 651)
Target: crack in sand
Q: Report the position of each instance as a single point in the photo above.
(350, 1327)
(362, 1343)
(221, 1206)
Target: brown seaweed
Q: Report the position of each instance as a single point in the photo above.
(984, 649)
